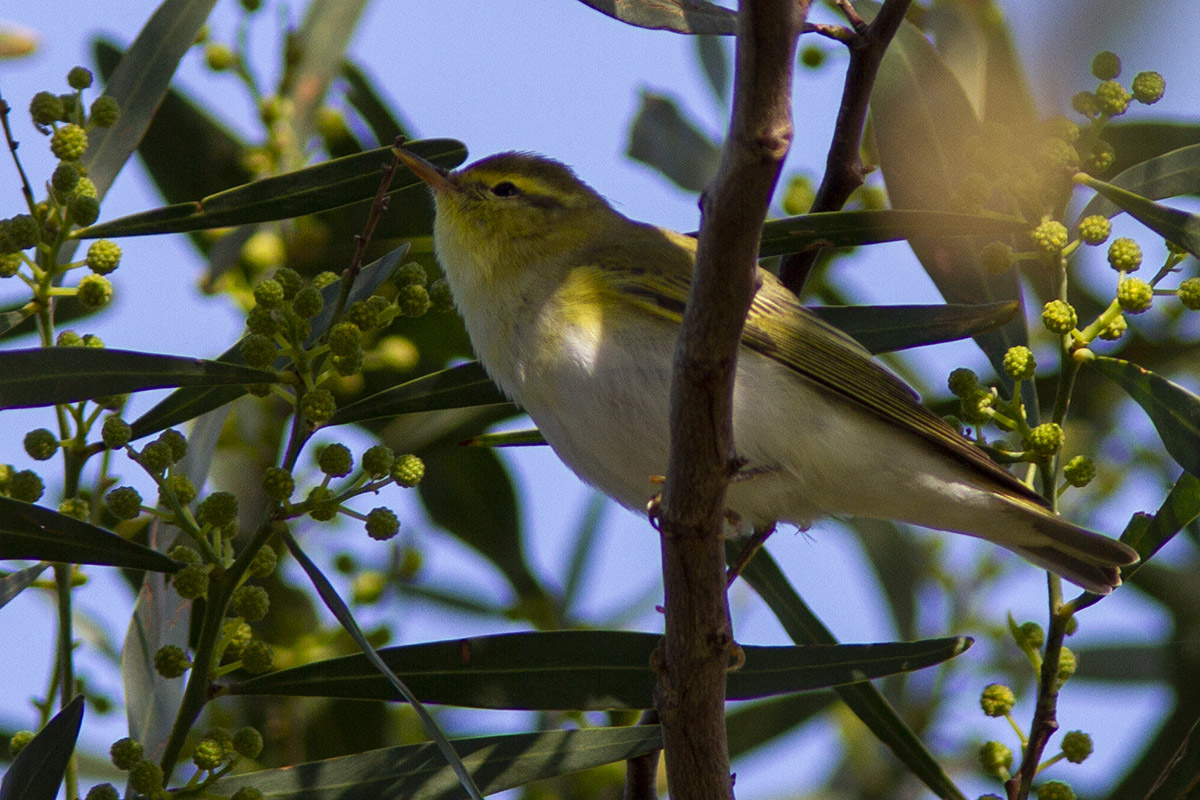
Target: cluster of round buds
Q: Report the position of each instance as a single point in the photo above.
(1189, 293)
(1049, 237)
(995, 758)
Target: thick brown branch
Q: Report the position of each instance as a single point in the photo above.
(699, 639)
(843, 166)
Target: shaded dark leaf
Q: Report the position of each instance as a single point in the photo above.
(1174, 410)
(585, 670)
(1148, 535)
(46, 376)
(714, 60)
(755, 725)
(368, 101)
(462, 386)
(14, 583)
(765, 577)
(37, 771)
(1173, 224)
(417, 773)
(852, 228)
(1168, 175)
(664, 138)
(680, 16)
(883, 329)
(32, 532)
(1136, 141)
(328, 185)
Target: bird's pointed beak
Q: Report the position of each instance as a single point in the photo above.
(432, 175)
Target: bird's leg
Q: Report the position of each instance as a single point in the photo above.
(747, 552)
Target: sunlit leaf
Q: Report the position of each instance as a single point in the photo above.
(328, 185)
(680, 16)
(37, 771)
(319, 44)
(463, 386)
(883, 329)
(45, 376)
(923, 121)
(14, 583)
(416, 772)
(1174, 410)
(585, 670)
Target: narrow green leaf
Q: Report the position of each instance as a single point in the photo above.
(530, 437)
(189, 403)
(883, 329)
(754, 725)
(320, 43)
(803, 626)
(339, 609)
(585, 670)
(328, 185)
(1173, 224)
(1168, 175)
(923, 122)
(32, 532)
(37, 771)
(665, 139)
(14, 583)
(714, 60)
(368, 101)
(853, 228)
(415, 773)
(1148, 536)
(46, 376)
(1141, 140)
(1174, 410)
(463, 386)
(14, 317)
(140, 82)
(679, 16)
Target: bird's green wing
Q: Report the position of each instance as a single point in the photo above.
(779, 327)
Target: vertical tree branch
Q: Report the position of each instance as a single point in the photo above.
(699, 637)
(843, 166)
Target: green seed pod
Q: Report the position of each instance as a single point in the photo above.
(382, 524)
(997, 700)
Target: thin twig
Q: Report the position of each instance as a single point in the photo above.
(699, 640)
(641, 773)
(844, 170)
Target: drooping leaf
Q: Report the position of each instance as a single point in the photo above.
(45, 376)
(320, 43)
(1174, 410)
(463, 386)
(415, 772)
(663, 138)
(1168, 175)
(140, 82)
(14, 583)
(923, 122)
(37, 771)
(680, 16)
(328, 185)
(585, 670)
(529, 437)
(1173, 224)
(1148, 536)
(883, 329)
(803, 626)
(189, 403)
(474, 500)
(710, 50)
(1138, 140)
(368, 101)
(341, 612)
(31, 532)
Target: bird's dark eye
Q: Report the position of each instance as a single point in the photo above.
(505, 189)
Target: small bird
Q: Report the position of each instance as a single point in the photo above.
(574, 310)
